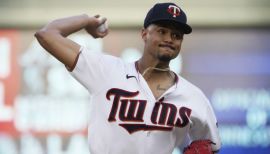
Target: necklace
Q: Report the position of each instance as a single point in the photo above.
(158, 69)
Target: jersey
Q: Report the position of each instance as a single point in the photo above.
(125, 116)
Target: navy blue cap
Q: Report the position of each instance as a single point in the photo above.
(168, 12)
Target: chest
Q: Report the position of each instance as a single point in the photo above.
(159, 86)
(157, 83)
(133, 111)
(136, 104)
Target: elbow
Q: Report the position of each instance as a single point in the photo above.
(39, 34)
(44, 38)
(42, 34)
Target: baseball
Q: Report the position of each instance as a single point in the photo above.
(103, 27)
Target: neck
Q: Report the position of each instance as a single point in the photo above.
(144, 64)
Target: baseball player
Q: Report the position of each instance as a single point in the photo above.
(141, 107)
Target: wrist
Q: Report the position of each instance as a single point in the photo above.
(86, 19)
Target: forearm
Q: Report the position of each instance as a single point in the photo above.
(53, 36)
(67, 26)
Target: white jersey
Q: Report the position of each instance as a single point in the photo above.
(126, 118)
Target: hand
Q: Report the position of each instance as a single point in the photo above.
(92, 27)
(199, 147)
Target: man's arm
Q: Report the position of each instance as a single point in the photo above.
(204, 131)
(52, 37)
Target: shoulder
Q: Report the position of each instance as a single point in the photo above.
(101, 58)
(189, 89)
(193, 95)
(96, 54)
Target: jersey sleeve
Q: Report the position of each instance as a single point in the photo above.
(206, 127)
(93, 70)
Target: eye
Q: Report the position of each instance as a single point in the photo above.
(161, 31)
(177, 36)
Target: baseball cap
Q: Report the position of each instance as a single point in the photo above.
(168, 12)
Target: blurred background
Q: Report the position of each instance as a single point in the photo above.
(45, 111)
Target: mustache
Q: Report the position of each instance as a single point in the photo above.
(167, 45)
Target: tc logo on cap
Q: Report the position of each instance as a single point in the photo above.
(174, 10)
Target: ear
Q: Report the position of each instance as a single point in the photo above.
(143, 34)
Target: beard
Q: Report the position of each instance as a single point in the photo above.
(165, 58)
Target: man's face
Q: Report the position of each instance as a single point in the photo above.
(162, 42)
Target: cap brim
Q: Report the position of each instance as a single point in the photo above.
(181, 26)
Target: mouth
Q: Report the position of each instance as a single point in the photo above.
(167, 46)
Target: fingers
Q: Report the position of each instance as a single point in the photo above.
(103, 34)
(101, 20)
(98, 27)
(102, 30)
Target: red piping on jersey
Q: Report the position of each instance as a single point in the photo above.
(137, 66)
(176, 78)
(74, 64)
